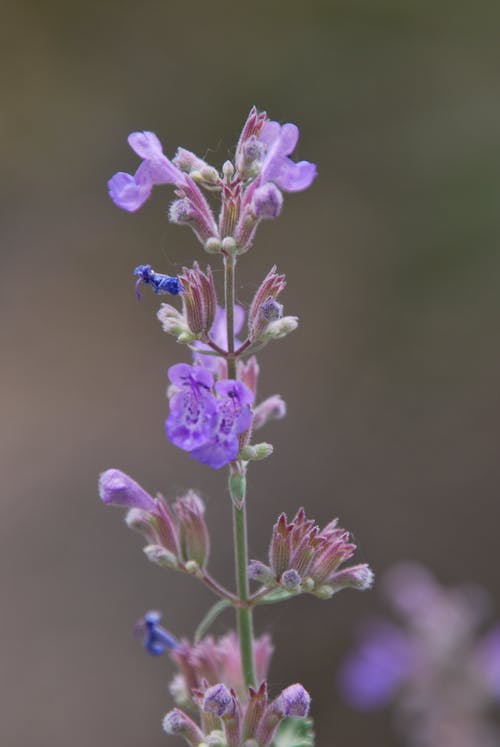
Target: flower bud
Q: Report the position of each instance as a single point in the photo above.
(359, 577)
(143, 522)
(212, 245)
(174, 323)
(257, 571)
(228, 170)
(199, 299)
(290, 580)
(280, 328)
(250, 157)
(176, 722)
(229, 245)
(158, 555)
(256, 452)
(193, 532)
(218, 701)
(293, 701)
(267, 201)
(118, 489)
(272, 408)
(198, 169)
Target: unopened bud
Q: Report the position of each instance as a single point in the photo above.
(256, 452)
(324, 592)
(212, 245)
(280, 328)
(307, 583)
(290, 580)
(229, 245)
(218, 701)
(174, 323)
(359, 577)
(293, 701)
(118, 489)
(257, 571)
(176, 722)
(267, 201)
(143, 522)
(228, 170)
(158, 555)
(272, 408)
(193, 568)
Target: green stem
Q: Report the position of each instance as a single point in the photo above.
(243, 613)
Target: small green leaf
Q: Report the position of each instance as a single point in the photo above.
(295, 732)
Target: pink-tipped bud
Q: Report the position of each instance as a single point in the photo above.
(248, 374)
(257, 704)
(272, 408)
(270, 288)
(279, 550)
(219, 701)
(177, 723)
(194, 539)
(118, 489)
(250, 133)
(199, 299)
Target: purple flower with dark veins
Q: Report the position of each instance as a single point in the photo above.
(193, 409)
(280, 141)
(233, 417)
(130, 192)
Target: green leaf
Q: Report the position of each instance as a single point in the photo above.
(212, 614)
(294, 732)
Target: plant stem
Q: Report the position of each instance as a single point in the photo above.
(243, 613)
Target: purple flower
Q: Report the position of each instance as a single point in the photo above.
(118, 489)
(159, 282)
(233, 417)
(193, 409)
(280, 141)
(156, 639)
(130, 192)
(371, 675)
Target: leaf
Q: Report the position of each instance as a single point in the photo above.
(294, 732)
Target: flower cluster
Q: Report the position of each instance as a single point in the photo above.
(220, 689)
(210, 681)
(442, 678)
(177, 535)
(229, 721)
(250, 188)
(206, 419)
(305, 558)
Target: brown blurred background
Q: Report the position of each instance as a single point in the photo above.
(392, 378)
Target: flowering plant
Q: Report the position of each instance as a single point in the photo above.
(220, 690)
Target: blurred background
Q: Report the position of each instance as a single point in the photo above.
(391, 380)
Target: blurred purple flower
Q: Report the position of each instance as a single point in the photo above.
(371, 675)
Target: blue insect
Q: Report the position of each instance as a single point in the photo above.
(160, 283)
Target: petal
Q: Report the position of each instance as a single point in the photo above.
(118, 489)
(126, 193)
(294, 177)
(270, 132)
(145, 144)
(217, 453)
(182, 375)
(288, 138)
